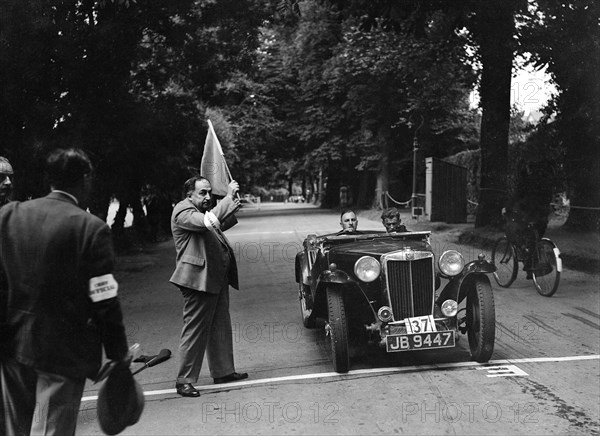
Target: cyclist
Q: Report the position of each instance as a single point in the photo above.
(527, 212)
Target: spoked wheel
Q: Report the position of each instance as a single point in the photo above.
(337, 329)
(306, 306)
(505, 260)
(548, 266)
(481, 319)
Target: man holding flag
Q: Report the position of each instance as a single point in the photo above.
(205, 267)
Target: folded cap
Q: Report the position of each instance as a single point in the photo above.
(120, 400)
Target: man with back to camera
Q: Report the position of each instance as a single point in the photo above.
(205, 267)
(61, 304)
(348, 222)
(6, 188)
(391, 220)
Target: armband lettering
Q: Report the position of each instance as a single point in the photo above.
(211, 220)
(103, 288)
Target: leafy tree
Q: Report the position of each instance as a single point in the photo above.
(359, 89)
(492, 26)
(563, 36)
(127, 80)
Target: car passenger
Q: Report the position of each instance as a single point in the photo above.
(348, 221)
(391, 220)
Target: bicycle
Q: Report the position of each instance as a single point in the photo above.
(546, 263)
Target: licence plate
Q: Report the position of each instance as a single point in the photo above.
(420, 341)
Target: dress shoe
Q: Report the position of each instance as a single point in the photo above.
(187, 390)
(231, 378)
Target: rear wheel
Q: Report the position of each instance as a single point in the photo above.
(306, 306)
(337, 329)
(481, 319)
(547, 268)
(505, 260)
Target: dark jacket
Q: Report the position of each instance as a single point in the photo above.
(49, 250)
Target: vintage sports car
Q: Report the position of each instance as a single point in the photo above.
(387, 288)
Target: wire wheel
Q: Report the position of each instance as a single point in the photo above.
(548, 266)
(505, 260)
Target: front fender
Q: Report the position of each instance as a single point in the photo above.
(456, 288)
(352, 289)
(302, 269)
(333, 276)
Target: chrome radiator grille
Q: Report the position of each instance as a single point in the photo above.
(410, 286)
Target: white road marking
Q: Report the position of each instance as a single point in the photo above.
(381, 371)
(504, 371)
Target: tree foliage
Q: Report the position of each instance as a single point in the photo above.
(357, 95)
(564, 37)
(129, 81)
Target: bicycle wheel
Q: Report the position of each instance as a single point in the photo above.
(505, 260)
(548, 266)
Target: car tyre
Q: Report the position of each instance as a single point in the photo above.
(337, 329)
(481, 319)
(306, 307)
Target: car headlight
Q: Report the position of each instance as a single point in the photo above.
(367, 269)
(451, 263)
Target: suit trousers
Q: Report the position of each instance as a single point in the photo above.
(206, 327)
(37, 402)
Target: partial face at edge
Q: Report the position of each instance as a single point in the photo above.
(6, 187)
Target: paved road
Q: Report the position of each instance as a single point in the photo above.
(543, 377)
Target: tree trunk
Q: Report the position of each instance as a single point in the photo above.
(383, 173)
(495, 36)
(583, 167)
(365, 188)
(332, 191)
(321, 188)
(304, 193)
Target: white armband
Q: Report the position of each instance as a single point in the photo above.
(211, 220)
(103, 288)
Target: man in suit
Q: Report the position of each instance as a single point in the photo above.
(205, 267)
(61, 303)
(6, 188)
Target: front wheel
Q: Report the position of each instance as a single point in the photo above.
(337, 329)
(481, 319)
(505, 260)
(548, 265)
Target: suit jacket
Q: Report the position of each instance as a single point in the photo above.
(49, 250)
(205, 261)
